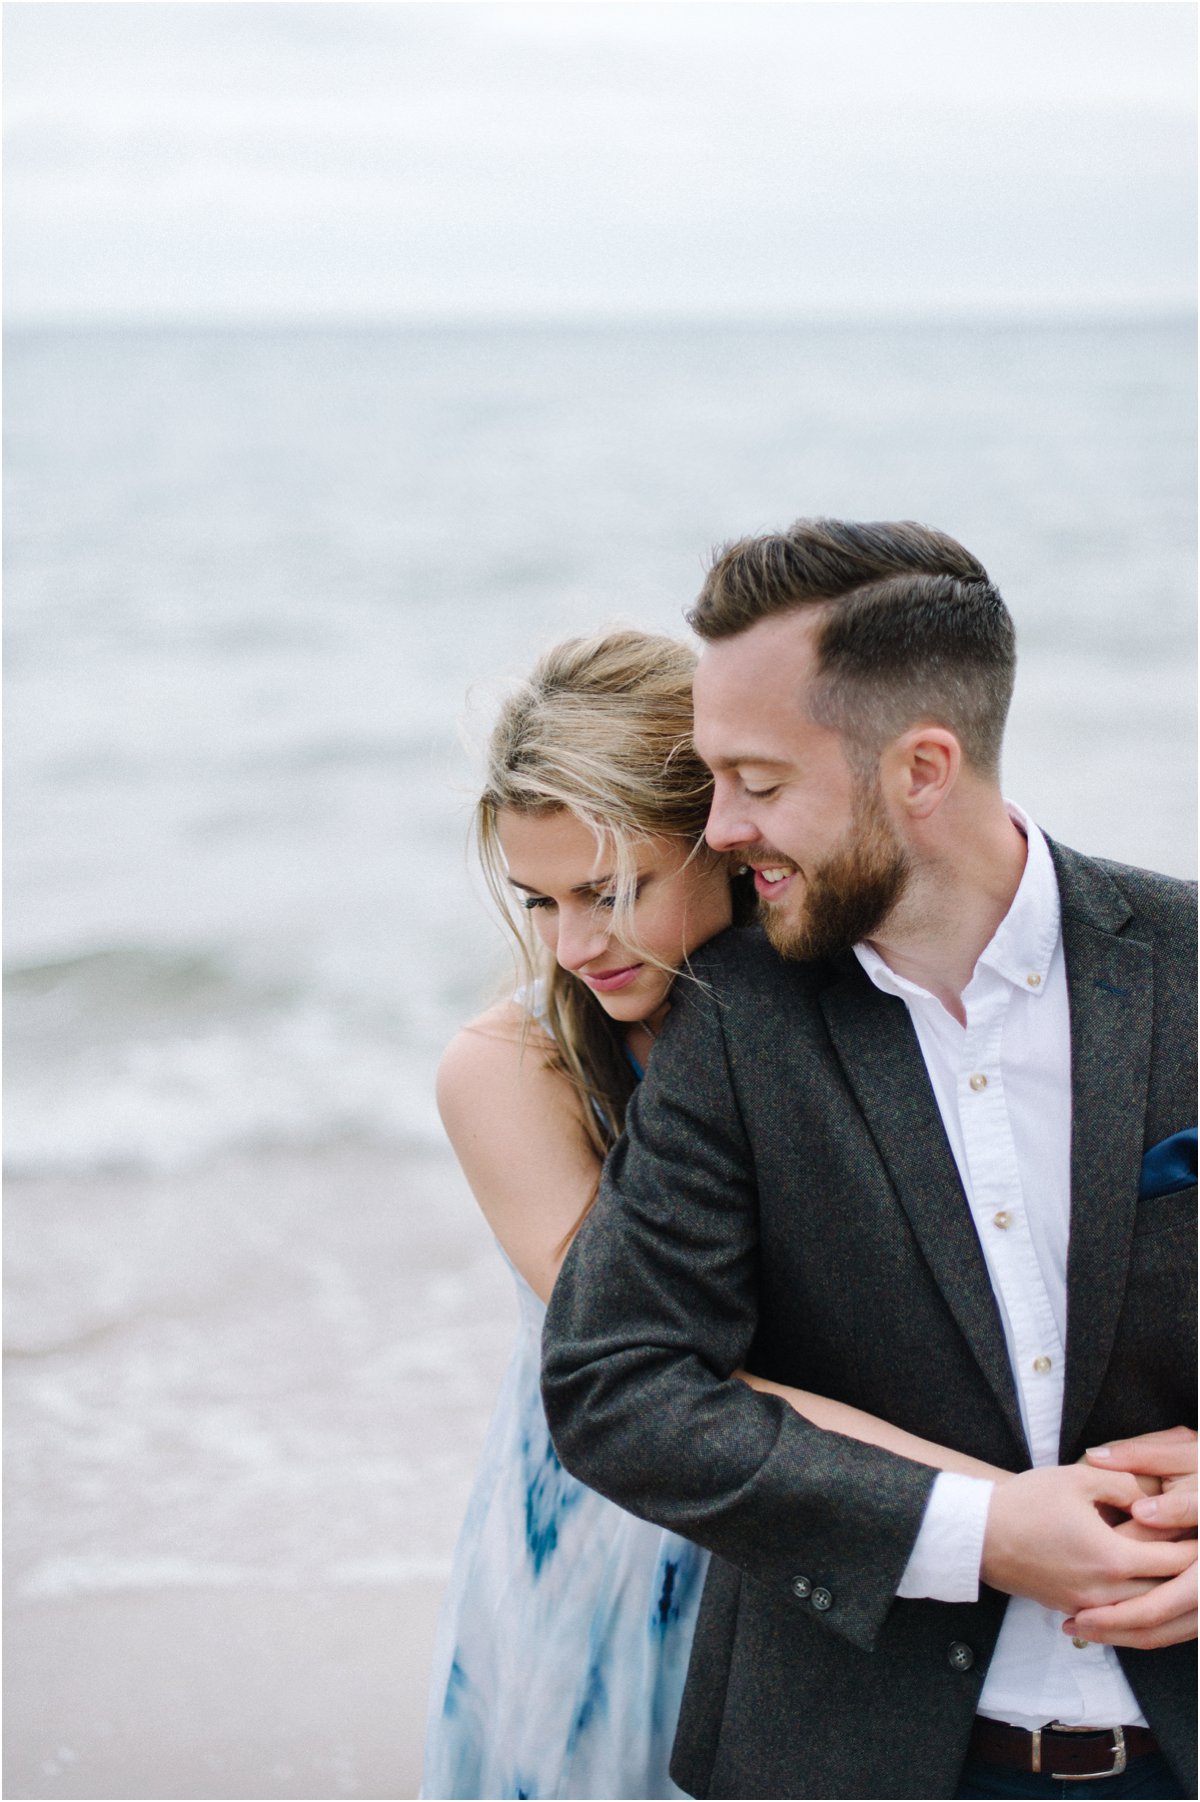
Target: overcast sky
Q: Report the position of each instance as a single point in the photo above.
(406, 159)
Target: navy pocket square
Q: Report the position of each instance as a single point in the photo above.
(1169, 1165)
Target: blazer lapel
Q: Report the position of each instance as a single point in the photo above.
(1110, 984)
(877, 1046)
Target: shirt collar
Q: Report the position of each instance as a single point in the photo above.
(1025, 940)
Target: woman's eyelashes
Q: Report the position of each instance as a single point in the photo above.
(760, 794)
(607, 901)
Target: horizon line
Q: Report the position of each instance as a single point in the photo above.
(1057, 312)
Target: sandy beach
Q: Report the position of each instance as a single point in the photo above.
(219, 1693)
(243, 1410)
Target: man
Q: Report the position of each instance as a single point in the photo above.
(920, 1146)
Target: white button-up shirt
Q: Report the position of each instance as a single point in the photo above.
(1003, 1088)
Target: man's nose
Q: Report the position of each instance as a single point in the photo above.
(728, 828)
(582, 937)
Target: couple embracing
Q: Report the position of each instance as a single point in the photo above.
(877, 1328)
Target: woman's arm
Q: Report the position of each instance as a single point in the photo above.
(516, 1131)
(839, 1417)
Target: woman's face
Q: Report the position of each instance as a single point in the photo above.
(567, 885)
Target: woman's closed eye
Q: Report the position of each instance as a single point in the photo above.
(529, 902)
(761, 794)
(607, 901)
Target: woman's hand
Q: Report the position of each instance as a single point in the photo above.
(1170, 1458)
(1166, 1614)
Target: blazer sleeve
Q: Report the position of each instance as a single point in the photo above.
(656, 1305)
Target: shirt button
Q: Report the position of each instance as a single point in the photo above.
(978, 1082)
(822, 1599)
(1041, 1365)
(1034, 980)
(1002, 1219)
(1081, 1645)
(801, 1587)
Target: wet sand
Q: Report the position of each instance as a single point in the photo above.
(243, 1410)
(219, 1693)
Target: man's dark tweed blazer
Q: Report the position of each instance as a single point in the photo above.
(785, 1201)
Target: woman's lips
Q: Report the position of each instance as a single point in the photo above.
(608, 980)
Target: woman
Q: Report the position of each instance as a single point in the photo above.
(565, 1633)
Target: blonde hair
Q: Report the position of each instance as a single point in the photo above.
(602, 729)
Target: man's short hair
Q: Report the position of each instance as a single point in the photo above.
(912, 629)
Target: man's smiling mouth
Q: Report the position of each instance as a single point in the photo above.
(771, 880)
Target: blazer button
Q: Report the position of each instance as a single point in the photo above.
(801, 1587)
(822, 1599)
(960, 1656)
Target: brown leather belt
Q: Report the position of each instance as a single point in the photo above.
(1070, 1753)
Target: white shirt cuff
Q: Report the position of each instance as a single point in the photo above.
(944, 1563)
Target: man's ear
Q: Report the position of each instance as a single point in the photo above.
(920, 768)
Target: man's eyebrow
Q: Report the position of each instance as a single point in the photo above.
(741, 759)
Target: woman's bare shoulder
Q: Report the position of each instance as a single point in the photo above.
(514, 1122)
(494, 1040)
(499, 1045)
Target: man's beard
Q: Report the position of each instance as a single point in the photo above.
(848, 897)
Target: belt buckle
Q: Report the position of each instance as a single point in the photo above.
(1118, 1765)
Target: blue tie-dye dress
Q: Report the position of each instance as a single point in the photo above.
(566, 1629)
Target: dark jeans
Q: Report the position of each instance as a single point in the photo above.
(1148, 1776)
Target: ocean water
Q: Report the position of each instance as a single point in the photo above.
(262, 593)
(258, 586)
